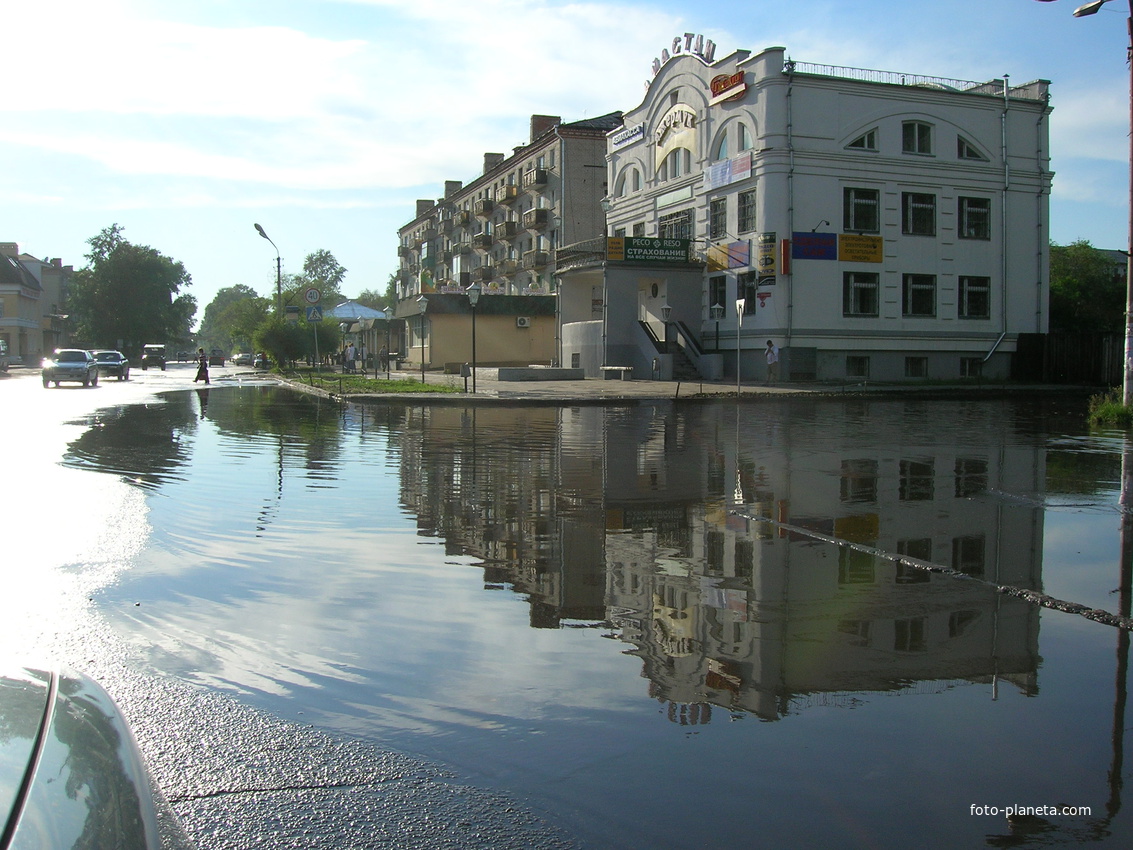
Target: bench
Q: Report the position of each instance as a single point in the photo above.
(616, 373)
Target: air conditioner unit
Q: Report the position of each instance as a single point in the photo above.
(523, 321)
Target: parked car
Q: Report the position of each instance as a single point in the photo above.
(182, 356)
(153, 355)
(261, 361)
(113, 363)
(4, 358)
(244, 358)
(216, 357)
(71, 774)
(70, 364)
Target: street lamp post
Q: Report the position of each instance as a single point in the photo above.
(422, 306)
(473, 293)
(389, 354)
(717, 311)
(1092, 8)
(740, 302)
(278, 273)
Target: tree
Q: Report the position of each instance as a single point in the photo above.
(1086, 292)
(380, 300)
(320, 270)
(129, 295)
(232, 317)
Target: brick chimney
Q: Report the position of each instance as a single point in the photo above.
(540, 124)
(452, 187)
(423, 207)
(491, 160)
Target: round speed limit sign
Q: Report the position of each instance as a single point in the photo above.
(313, 296)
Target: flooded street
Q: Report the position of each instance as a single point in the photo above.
(663, 625)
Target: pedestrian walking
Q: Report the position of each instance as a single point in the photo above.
(203, 367)
(772, 352)
(351, 357)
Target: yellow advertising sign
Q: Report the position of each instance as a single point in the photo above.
(853, 248)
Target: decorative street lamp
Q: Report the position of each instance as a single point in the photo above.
(740, 302)
(666, 312)
(422, 306)
(389, 354)
(1092, 8)
(717, 311)
(473, 293)
(278, 273)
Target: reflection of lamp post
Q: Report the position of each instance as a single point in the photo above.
(389, 354)
(666, 312)
(740, 302)
(1127, 387)
(717, 311)
(278, 273)
(343, 326)
(422, 306)
(473, 293)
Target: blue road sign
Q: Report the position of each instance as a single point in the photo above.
(314, 314)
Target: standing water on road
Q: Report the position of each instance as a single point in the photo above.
(666, 625)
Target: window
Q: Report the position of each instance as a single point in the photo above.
(916, 367)
(966, 150)
(619, 232)
(857, 366)
(918, 295)
(916, 137)
(971, 476)
(919, 548)
(677, 162)
(859, 480)
(717, 218)
(717, 293)
(855, 567)
(865, 142)
(620, 186)
(975, 218)
(918, 214)
(676, 225)
(747, 284)
(721, 151)
(747, 211)
(916, 484)
(975, 298)
(861, 210)
(746, 143)
(971, 367)
(968, 555)
(860, 293)
(639, 228)
(909, 635)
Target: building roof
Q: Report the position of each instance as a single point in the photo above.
(15, 273)
(352, 310)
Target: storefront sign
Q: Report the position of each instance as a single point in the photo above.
(765, 258)
(646, 249)
(728, 87)
(814, 246)
(853, 248)
(628, 136)
(697, 45)
(680, 117)
(733, 255)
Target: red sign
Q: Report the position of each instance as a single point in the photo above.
(728, 87)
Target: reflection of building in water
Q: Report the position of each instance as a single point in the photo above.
(624, 514)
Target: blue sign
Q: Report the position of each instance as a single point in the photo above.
(814, 246)
(314, 314)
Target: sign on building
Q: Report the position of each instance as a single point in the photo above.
(646, 249)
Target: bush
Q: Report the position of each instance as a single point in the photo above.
(1108, 409)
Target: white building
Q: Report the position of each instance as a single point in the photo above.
(875, 225)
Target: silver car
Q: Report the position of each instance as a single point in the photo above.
(71, 775)
(70, 364)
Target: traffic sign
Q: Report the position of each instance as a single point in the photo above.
(314, 314)
(313, 296)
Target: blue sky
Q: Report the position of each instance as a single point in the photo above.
(325, 121)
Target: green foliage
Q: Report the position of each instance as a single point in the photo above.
(232, 317)
(291, 342)
(380, 300)
(360, 384)
(1107, 409)
(1086, 294)
(129, 296)
(320, 270)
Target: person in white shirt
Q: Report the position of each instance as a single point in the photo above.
(772, 362)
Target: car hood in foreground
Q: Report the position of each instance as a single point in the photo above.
(70, 773)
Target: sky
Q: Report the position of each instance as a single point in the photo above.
(324, 121)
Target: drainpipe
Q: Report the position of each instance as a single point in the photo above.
(1003, 207)
(790, 199)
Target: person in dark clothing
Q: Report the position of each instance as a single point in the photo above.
(203, 368)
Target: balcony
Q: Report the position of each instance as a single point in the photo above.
(462, 247)
(538, 219)
(506, 268)
(461, 218)
(534, 260)
(506, 230)
(508, 194)
(482, 242)
(484, 274)
(446, 227)
(535, 180)
(483, 207)
(403, 250)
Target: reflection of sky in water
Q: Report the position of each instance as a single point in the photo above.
(295, 558)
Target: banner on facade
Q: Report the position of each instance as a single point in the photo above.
(646, 249)
(814, 246)
(733, 255)
(853, 248)
(766, 263)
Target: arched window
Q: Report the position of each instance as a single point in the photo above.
(676, 163)
(746, 143)
(721, 151)
(620, 186)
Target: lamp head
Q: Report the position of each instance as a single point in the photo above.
(473, 293)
